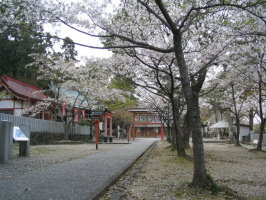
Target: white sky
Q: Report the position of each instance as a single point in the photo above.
(83, 39)
(77, 37)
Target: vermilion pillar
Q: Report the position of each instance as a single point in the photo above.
(134, 133)
(96, 122)
(108, 126)
(162, 133)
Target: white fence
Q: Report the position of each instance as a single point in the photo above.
(38, 125)
(77, 129)
(256, 137)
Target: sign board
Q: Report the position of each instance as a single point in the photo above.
(148, 125)
(147, 118)
(18, 135)
(96, 113)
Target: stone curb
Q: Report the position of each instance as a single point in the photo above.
(130, 174)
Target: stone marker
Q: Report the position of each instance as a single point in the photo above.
(6, 141)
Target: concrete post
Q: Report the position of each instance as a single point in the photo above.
(231, 136)
(24, 146)
(111, 130)
(6, 141)
(105, 138)
(10, 129)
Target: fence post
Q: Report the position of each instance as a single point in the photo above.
(6, 141)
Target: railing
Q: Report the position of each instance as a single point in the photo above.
(38, 125)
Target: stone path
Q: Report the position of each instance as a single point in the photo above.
(84, 178)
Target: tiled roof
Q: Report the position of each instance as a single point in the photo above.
(144, 110)
(22, 90)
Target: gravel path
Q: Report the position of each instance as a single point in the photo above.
(69, 172)
(45, 155)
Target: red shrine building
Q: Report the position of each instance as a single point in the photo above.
(146, 123)
(16, 96)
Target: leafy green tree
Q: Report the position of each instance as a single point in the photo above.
(128, 90)
(17, 43)
(68, 47)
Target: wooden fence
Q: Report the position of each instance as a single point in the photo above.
(38, 125)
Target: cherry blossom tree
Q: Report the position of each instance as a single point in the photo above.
(155, 76)
(169, 35)
(196, 33)
(36, 108)
(80, 86)
(90, 80)
(252, 66)
(233, 96)
(241, 87)
(162, 102)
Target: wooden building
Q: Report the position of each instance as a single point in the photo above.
(146, 123)
(16, 96)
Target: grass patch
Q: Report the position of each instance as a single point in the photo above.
(15, 151)
(35, 150)
(40, 150)
(259, 154)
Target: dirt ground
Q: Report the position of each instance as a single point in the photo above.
(163, 175)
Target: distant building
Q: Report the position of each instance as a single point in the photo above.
(146, 123)
(16, 96)
(244, 132)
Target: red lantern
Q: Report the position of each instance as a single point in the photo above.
(83, 114)
(63, 108)
(76, 116)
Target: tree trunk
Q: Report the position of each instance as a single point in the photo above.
(173, 138)
(179, 142)
(200, 178)
(237, 131)
(191, 93)
(251, 122)
(262, 123)
(186, 133)
(169, 129)
(67, 127)
(236, 115)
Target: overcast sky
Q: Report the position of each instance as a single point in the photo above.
(64, 31)
(83, 39)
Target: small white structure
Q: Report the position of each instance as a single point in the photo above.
(220, 124)
(244, 129)
(244, 132)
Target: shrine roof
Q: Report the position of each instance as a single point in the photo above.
(22, 90)
(142, 110)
